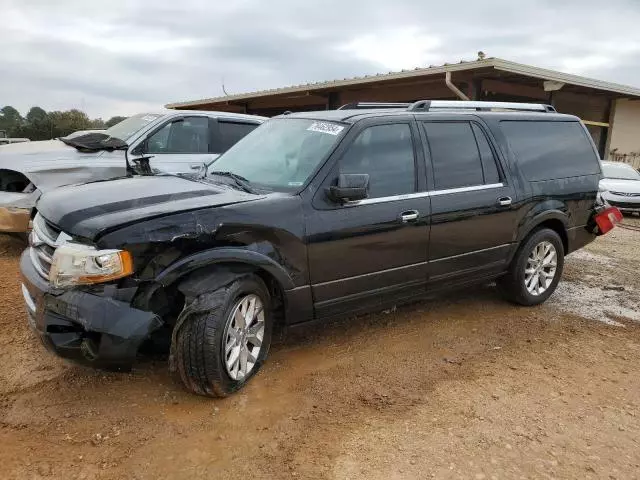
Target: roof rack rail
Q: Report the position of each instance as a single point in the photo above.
(431, 105)
(371, 105)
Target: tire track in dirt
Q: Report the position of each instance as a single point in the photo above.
(462, 386)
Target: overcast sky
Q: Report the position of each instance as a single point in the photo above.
(112, 57)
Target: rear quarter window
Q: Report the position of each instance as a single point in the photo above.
(547, 150)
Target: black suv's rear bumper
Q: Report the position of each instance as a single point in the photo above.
(89, 329)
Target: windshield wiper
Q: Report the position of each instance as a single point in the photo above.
(238, 180)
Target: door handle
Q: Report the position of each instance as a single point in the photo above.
(409, 216)
(504, 201)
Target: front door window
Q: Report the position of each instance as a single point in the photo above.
(188, 135)
(385, 152)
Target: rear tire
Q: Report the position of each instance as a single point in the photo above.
(535, 270)
(217, 352)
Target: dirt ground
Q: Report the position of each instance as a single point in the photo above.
(465, 386)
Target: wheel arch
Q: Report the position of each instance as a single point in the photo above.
(13, 180)
(210, 278)
(555, 220)
(208, 260)
(200, 274)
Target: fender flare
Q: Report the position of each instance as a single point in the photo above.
(214, 256)
(526, 228)
(530, 224)
(201, 274)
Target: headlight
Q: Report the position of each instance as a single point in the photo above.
(82, 265)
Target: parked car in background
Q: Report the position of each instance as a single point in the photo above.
(171, 140)
(311, 216)
(621, 186)
(4, 140)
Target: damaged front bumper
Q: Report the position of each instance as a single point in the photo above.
(14, 220)
(94, 330)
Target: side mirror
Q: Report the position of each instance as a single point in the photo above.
(351, 187)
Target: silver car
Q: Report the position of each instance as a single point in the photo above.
(172, 141)
(621, 186)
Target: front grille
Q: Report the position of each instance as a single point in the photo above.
(622, 194)
(43, 243)
(618, 204)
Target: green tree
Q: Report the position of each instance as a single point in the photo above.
(36, 126)
(64, 123)
(42, 125)
(113, 120)
(35, 115)
(10, 120)
(98, 124)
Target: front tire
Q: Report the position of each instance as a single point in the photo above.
(535, 270)
(217, 352)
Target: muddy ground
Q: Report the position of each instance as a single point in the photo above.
(465, 386)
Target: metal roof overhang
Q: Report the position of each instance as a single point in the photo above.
(486, 67)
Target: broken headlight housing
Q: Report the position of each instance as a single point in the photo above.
(76, 264)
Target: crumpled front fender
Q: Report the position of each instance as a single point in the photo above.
(16, 210)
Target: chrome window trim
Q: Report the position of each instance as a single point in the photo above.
(473, 188)
(433, 193)
(392, 198)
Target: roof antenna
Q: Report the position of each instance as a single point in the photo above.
(224, 89)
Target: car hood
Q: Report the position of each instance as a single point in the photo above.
(51, 163)
(89, 210)
(27, 148)
(622, 186)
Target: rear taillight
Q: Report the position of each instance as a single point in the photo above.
(607, 219)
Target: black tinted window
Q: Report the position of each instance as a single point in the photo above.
(454, 154)
(549, 150)
(489, 166)
(385, 152)
(189, 135)
(230, 133)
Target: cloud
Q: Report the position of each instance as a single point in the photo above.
(113, 57)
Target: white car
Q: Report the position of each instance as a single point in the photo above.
(4, 140)
(621, 186)
(173, 141)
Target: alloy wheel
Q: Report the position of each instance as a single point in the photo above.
(540, 270)
(244, 333)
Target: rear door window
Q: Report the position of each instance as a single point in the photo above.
(460, 154)
(230, 133)
(547, 150)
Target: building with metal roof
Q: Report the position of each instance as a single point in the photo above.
(611, 111)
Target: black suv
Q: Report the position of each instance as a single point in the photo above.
(312, 215)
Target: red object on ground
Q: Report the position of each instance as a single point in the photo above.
(607, 219)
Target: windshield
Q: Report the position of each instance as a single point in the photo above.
(620, 171)
(281, 153)
(128, 127)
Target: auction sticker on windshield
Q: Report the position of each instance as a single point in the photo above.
(325, 127)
